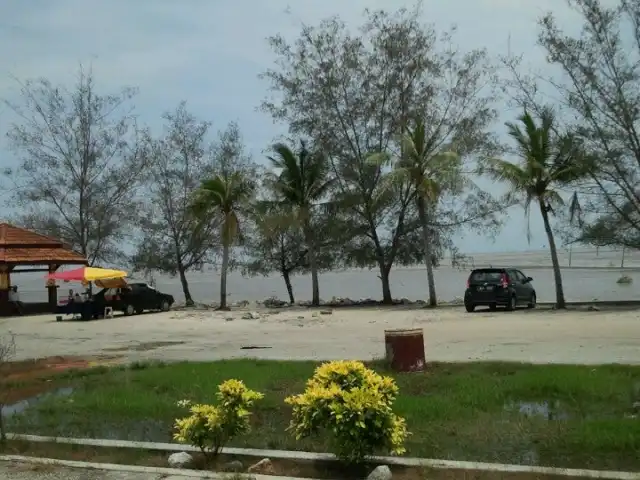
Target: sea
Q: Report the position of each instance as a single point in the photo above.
(587, 275)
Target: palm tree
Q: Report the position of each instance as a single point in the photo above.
(430, 172)
(302, 184)
(224, 197)
(548, 161)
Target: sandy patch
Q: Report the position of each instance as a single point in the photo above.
(450, 335)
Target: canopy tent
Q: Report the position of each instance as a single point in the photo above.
(87, 274)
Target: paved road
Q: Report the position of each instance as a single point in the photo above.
(27, 471)
(451, 334)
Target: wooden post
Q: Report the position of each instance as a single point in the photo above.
(52, 291)
(5, 283)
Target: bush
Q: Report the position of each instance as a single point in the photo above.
(354, 405)
(210, 427)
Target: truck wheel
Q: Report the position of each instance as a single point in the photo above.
(129, 310)
(164, 306)
(470, 307)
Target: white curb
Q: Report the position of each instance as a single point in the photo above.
(295, 455)
(112, 467)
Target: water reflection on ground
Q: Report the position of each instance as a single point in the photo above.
(549, 410)
(23, 405)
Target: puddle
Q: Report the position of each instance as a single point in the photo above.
(23, 405)
(547, 410)
(69, 425)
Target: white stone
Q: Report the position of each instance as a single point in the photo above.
(263, 467)
(381, 472)
(180, 460)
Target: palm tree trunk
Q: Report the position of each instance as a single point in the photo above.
(426, 241)
(313, 266)
(560, 302)
(223, 277)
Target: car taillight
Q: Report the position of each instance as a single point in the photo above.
(504, 280)
(468, 282)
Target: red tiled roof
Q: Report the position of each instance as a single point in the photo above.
(19, 245)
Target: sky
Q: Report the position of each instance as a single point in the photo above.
(210, 53)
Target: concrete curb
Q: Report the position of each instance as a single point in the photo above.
(310, 456)
(112, 467)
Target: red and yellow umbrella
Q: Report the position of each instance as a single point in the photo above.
(87, 274)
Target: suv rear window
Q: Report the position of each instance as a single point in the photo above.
(486, 275)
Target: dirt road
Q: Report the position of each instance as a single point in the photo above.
(450, 335)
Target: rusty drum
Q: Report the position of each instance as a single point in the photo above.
(405, 349)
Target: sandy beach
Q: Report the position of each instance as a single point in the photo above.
(450, 334)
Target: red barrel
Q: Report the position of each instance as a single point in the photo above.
(405, 349)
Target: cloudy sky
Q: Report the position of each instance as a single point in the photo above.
(210, 52)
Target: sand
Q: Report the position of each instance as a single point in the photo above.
(450, 334)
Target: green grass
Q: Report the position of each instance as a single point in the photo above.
(454, 411)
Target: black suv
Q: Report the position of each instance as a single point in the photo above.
(494, 287)
(134, 298)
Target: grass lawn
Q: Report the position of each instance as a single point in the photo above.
(558, 415)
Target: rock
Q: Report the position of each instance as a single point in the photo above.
(242, 303)
(593, 308)
(315, 314)
(264, 467)
(326, 312)
(180, 460)
(228, 319)
(381, 472)
(300, 317)
(405, 301)
(233, 466)
(636, 407)
(274, 302)
(251, 316)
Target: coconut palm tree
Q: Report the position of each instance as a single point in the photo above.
(431, 172)
(224, 197)
(302, 184)
(548, 162)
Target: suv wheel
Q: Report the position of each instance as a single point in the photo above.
(129, 310)
(511, 306)
(532, 302)
(469, 307)
(165, 306)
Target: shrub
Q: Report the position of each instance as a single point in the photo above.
(210, 427)
(354, 405)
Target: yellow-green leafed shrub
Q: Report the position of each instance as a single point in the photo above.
(210, 427)
(354, 406)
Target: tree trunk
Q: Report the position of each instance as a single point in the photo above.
(560, 303)
(3, 434)
(386, 285)
(185, 285)
(223, 277)
(287, 282)
(313, 266)
(426, 241)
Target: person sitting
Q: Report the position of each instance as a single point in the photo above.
(14, 298)
(70, 307)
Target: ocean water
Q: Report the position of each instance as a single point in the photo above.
(580, 284)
